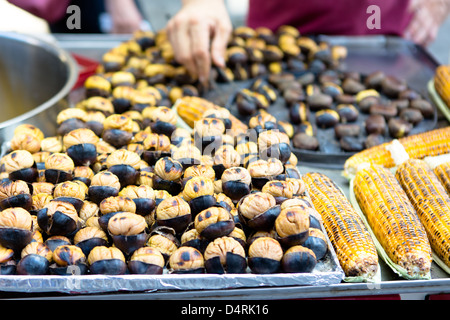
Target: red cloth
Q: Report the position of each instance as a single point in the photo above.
(334, 17)
(49, 10)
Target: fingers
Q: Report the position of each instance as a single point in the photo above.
(219, 44)
(179, 36)
(200, 33)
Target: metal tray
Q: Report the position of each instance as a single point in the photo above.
(394, 56)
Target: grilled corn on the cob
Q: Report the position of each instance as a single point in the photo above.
(431, 201)
(442, 83)
(352, 242)
(432, 143)
(393, 220)
(442, 171)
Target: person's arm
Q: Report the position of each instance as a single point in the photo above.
(199, 34)
(428, 16)
(125, 16)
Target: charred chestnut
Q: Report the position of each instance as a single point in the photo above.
(80, 145)
(7, 262)
(280, 189)
(59, 168)
(327, 118)
(35, 259)
(236, 182)
(58, 218)
(104, 184)
(167, 175)
(146, 260)
(292, 226)
(88, 238)
(174, 212)
(118, 130)
(143, 196)
(71, 192)
(186, 260)
(15, 228)
(258, 211)
(298, 259)
(199, 192)
(164, 239)
(69, 260)
(20, 165)
(262, 171)
(399, 128)
(305, 141)
(155, 147)
(424, 106)
(125, 165)
(317, 243)
(15, 194)
(225, 157)
(97, 85)
(214, 222)
(113, 205)
(208, 133)
(264, 255)
(129, 231)
(411, 115)
(274, 144)
(107, 261)
(162, 120)
(225, 255)
(375, 124)
(54, 242)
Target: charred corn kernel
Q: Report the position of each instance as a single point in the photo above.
(431, 201)
(442, 171)
(432, 143)
(393, 219)
(442, 83)
(352, 242)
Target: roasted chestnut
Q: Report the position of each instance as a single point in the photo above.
(188, 155)
(292, 226)
(20, 165)
(249, 102)
(411, 115)
(59, 168)
(264, 255)
(388, 111)
(146, 260)
(424, 106)
(236, 182)
(70, 119)
(97, 85)
(373, 140)
(174, 212)
(143, 196)
(375, 124)
(164, 239)
(15, 194)
(280, 189)
(168, 173)
(305, 141)
(317, 243)
(186, 260)
(7, 262)
(225, 157)
(208, 134)
(258, 211)
(113, 205)
(54, 242)
(199, 193)
(262, 171)
(298, 259)
(155, 147)
(129, 231)
(90, 237)
(274, 144)
(351, 144)
(393, 86)
(107, 261)
(399, 128)
(225, 255)
(327, 118)
(80, 145)
(58, 218)
(35, 259)
(125, 165)
(15, 228)
(69, 260)
(214, 222)
(72, 192)
(162, 120)
(118, 130)
(104, 184)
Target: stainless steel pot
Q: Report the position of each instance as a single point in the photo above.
(36, 78)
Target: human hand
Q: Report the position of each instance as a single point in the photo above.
(125, 16)
(428, 15)
(199, 34)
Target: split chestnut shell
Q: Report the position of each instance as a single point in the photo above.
(298, 259)
(146, 260)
